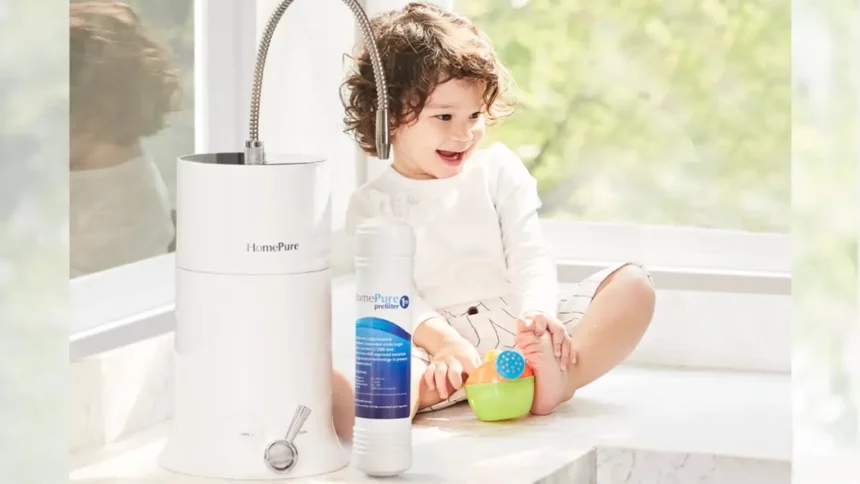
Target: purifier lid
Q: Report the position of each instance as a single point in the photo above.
(237, 158)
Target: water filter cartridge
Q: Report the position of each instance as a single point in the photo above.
(382, 437)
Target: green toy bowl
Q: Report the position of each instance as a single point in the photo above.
(503, 400)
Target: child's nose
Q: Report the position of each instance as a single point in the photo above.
(463, 133)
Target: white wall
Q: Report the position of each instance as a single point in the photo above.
(300, 105)
(223, 73)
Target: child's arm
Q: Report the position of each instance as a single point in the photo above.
(430, 330)
(433, 334)
(531, 268)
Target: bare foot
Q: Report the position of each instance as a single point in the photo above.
(550, 380)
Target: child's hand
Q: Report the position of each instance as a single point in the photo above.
(454, 358)
(541, 323)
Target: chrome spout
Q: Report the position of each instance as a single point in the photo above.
(254, 150)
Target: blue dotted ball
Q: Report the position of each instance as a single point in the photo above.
(510, 364)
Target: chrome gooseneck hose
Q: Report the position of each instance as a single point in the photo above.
(254, 154)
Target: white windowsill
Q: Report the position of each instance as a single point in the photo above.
(692, 279)
(670, 246)
(122, 305)
(136, 302)
(108, 297)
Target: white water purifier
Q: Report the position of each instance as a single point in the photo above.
(253, 366)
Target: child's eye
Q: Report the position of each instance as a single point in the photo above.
(444, 117)
(476, 115)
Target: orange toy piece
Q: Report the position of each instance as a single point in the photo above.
(527, 372)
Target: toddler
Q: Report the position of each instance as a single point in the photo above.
(483, 277)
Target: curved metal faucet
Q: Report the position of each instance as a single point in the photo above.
(254, 153)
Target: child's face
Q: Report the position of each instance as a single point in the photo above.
(446, 132)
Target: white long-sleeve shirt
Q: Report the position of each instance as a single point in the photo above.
(478, 234)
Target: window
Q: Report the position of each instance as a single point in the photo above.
(132, 104)
(131, 115)
(650, 112)
(664, 125)
(660, 160)
(659, 132)
(127, 295)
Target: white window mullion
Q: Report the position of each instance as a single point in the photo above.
(225, 51)
(301, 110)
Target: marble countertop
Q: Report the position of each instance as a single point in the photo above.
(667, 418)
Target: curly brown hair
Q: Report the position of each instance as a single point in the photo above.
(421, 46)
(122, 83)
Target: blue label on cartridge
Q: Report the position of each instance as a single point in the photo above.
(383, 353)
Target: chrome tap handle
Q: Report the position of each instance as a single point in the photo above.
(282, 455)
(298, 422)
(254, 153)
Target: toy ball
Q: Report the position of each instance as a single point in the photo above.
(510, 364)
(502, 388)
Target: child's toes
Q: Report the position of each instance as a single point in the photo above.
(531, 347)
(526, 338)
(531, 350)
(535, 360)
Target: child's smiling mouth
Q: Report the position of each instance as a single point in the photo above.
(451, 157)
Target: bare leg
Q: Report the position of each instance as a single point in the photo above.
(613, 325)
(343, 406)
(343, 399)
